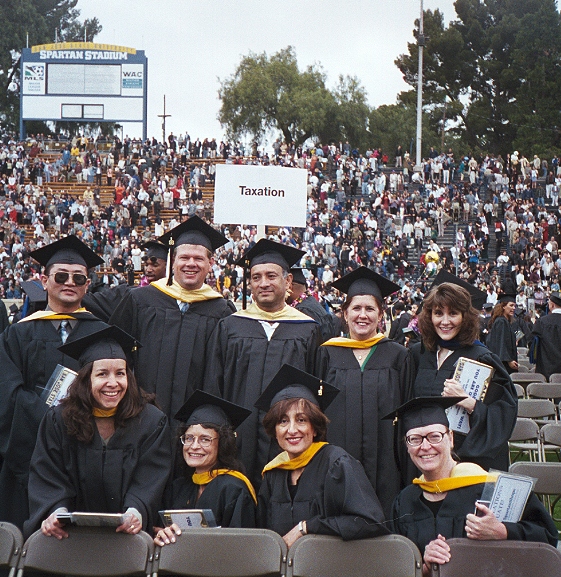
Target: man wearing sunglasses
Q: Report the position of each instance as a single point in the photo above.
(28, 356)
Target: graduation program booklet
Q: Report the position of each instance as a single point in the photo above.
(474, 378)
(188, 518)
(508, 495)
(57, 386)
(92, 519)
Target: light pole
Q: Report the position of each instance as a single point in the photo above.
(421, 45)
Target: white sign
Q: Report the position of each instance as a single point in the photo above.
(33, 78)
(267, 195)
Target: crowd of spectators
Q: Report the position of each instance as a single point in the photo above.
(484, 217)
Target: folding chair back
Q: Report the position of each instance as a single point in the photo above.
(11, 541)
(223, 553)
(548, 483)
(525, 439)
(322, 556)
(536, 408)
(549, 391)
(526, 378)
(551, 434)
(555, 378)
(520, 392)
(88, 551)
(471, 558)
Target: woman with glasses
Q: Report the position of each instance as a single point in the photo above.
(443, 502)
(213, 478)
(449, 326)
(312, 486)
(104, 448)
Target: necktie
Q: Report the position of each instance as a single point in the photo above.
(63, 331)
(184, 307)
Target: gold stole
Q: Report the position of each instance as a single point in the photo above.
(208, 476)
(283, 461)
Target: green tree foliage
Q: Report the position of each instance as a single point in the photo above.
(271, 93)
(37, 21)
(498, 69)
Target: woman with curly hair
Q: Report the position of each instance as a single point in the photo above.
(449, 325)
(213, 477)
(104, 448)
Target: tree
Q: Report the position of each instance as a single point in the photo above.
(496, 67)
(273, 94)
(35, 21)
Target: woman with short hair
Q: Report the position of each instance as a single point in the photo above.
(312, 486)
(441, 503)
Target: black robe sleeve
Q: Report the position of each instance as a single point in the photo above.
(492, 420)
(334, 497)
(502, 341)
(105, 302)
(413, 519)
(130, 471)
(228, 497)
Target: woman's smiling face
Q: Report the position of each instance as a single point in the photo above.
(447, 322)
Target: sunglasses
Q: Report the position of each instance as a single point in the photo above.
(151, 259)
(77, 278)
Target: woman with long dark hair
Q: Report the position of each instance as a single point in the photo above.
(105, 448)
(449, 325)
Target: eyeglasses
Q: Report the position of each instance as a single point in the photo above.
(188, 440)
(150, 260)
(77, 278)
(417, 440)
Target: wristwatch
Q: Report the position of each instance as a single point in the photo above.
(302, 528)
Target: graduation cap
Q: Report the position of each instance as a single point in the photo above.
(364, 281)
(423, 411)
(194, 231)
(478, 297)
(268, 251)
(202, 407)
(155, 249)
(298, 276)
(488, 306)
(507, 298)
(555, 297)
(34, 291)
(108, 343)
(68, 250)
(292, 383)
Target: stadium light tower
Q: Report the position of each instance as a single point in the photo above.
(421, 45)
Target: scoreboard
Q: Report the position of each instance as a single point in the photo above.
(85, 82)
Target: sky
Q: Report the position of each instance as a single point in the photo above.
(192, 45)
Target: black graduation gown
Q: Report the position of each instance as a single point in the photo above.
(356, 413)
(310, 306)
(131, 470)
(242, 364)
(548, 330)
(413, 519)
(28, 356)
(228, 497)
(501, 340)
(105, 302)
(4, 322)
(171, 361)
(333, 496)
(492, 420)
